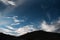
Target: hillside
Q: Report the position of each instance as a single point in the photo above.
(37, 35)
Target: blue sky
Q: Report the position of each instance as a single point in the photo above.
(37, 10)
(40, 13)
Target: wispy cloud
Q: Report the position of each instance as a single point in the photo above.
(12, 3)
(8, 26)
(53, 27)
(7, 2)
(47, 27)
(18, 32)
(25, 29)
(3, 30)
(15, 20)
(10, 30)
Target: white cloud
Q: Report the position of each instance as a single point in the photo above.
(15, 24)
(7, 31)
(53, 27)
(7, 2)
(4, 1)
(12, 3)
(19, 31)
(4, 30)
(9, 27)
(25, 29)
(15, 19)
(47, 27)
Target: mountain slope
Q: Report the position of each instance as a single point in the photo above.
(37, 35)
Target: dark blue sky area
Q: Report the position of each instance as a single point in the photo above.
(36, 10)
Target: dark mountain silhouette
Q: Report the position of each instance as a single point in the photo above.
(37, 35)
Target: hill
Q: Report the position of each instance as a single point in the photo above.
(37, 35)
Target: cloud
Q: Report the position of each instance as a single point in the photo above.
(18, 32)
(15, 24)
(10, 30)
(15, 20)
(4, 1)
(47, 27)
(12, 3)
(25, 29)
(3, 30)
(9, 27)
(7, 2)
(7, 31)
(53, 27)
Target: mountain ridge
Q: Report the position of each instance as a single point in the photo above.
(36, 35)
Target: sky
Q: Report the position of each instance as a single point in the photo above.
(29, 16)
